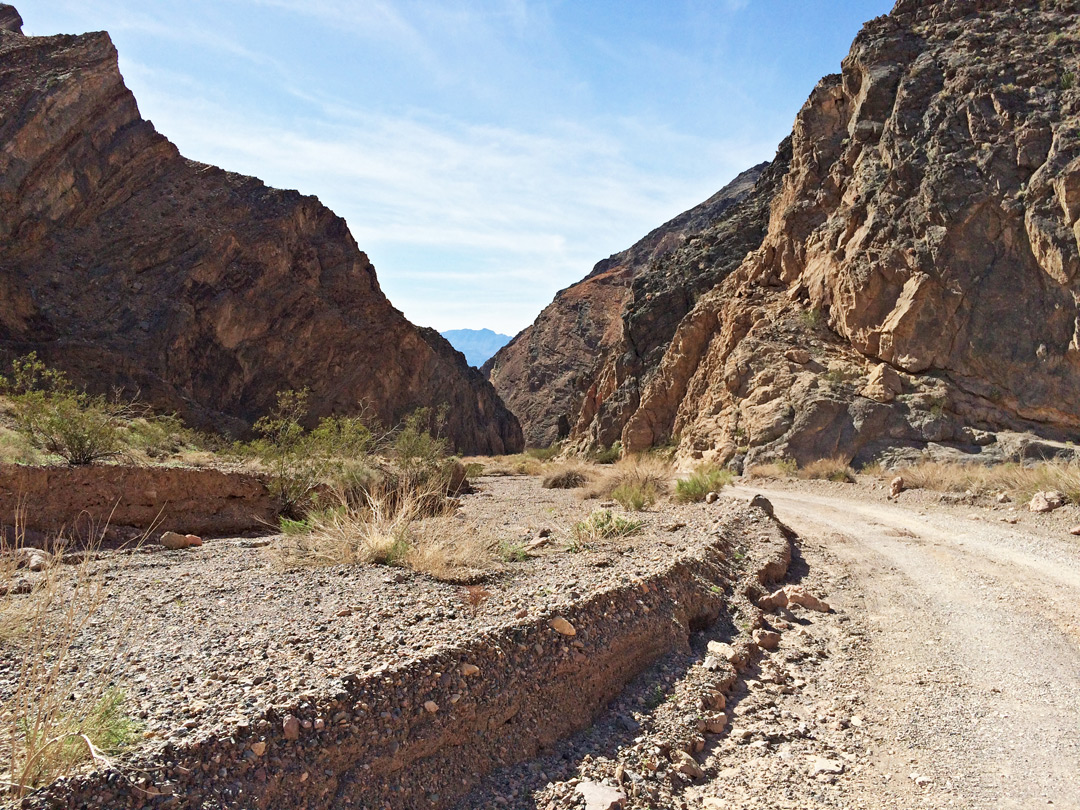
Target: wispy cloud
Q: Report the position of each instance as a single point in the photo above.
(494, 217)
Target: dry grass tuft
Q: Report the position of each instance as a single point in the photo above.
(396, 527)
(829, 469)
(636, 482)
(1021, 481)
(781, 468)
(514, 465)
(570, 476)
(605, 525)
(56, 716)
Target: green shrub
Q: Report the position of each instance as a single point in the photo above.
(59, 418)
(636, 495)
(605, 525)
(705, 479)
(607, 455)
(544, 453)
(301, 461)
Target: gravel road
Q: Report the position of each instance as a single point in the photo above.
(969, 668)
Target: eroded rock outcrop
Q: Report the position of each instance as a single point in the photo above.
(918, 281)
(130, 266)
(560, 374)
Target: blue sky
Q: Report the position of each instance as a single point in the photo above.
(485, 153)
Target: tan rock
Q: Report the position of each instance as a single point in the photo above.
(896, 486)
(600, 797)
(175, 541)
(724, 652)
(1046, 501)
(767, 639)
(792, 595)
(884, 384)
(716, 724)
(431, 707)
(687, 765)
(468, 670)
(800, 356)
(561, 625)
(258, 748)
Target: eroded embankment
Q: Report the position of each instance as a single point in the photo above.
(424, 733)
(85, 501)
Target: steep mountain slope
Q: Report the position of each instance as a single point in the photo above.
(548, 373)
(478, 345)
(130, 266)
(918, 280)
(923, 248)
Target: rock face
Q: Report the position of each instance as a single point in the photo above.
(130, 266)
(921, 250)
(597, 335)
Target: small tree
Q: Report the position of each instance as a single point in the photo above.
(300, 460)
(58, 417)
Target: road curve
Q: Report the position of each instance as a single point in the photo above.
(973, 651)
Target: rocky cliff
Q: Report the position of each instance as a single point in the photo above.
(917, 283)
(559, 373)
(130, 266)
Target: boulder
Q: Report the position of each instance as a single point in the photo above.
(175, 541)
(883, 384)
(600, 797)
(1046, 501)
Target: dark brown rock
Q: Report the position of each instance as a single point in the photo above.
(9, 19)
(207, 292)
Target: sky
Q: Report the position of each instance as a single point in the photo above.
(485, 153)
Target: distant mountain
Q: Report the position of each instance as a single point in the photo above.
(478, 345)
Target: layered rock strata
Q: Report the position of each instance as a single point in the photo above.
(132, 267)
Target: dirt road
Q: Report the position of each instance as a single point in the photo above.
(960, 637)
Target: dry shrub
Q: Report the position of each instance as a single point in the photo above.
(829, 469)
(474, 595)
(1022, 481)
(515, 465)
(54, 714)
(781, 468)
(568, 477)
(636, 482)
(392, 527)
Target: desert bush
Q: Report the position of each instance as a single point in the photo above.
(607, 455)
(519, 464)
(56, 716)
(703, 480)
(636, 482)
(605, 525)
(58, 417)
(568, 477)
(780, 468)
(544, 453)
(300, 461)
(828, 469)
